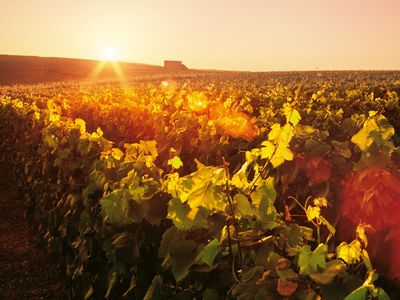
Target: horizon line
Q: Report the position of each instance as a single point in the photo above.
(208, 69)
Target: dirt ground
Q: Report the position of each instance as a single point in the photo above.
(27, 271)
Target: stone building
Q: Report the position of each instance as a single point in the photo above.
(174, 65)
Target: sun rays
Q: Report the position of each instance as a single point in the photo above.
(108, 67)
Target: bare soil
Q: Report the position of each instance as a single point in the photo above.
(27, 271)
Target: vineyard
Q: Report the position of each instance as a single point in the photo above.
(213, 185)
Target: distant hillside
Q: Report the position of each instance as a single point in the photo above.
(15, 69)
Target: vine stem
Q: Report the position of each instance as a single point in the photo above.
(305, 210)
(232, 216)
(318, 233)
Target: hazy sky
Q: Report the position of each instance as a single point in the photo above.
(236, 35)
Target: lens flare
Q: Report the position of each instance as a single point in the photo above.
(168, 85)
(197, 102)
(372, 196)
(233, 123)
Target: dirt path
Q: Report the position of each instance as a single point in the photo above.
(26, 270)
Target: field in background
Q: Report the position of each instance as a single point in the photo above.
(15, 69)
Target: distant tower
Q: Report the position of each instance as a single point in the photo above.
(174, 65)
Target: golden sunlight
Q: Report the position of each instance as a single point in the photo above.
(109, 54)
(107, 64)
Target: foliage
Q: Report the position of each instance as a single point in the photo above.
(187, 203)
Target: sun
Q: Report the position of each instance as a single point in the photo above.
(109, 54)
(108, 60)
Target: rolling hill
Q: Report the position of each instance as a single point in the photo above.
(16, 69)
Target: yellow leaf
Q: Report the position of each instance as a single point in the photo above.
(350, 253)
(54, 117)
(175, 162)
(268, 150)
(292, 115)
(321, 202)
(281, 154)
(313, 212)
(117, 153)
(82, 125)
(360, 232)
(362, 138)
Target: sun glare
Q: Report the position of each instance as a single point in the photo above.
(107, 65)
(109, 54)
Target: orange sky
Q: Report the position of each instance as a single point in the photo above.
(256, 35)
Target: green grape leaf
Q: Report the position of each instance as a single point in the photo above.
(178, 253)
(178, 213)
(200, 219)
(239, 179)
(384, 133)
(170, 236)
(178, 186)
(182, 255)
(342, 148)
(245, 208)
(205, 190)
(263, 199)
(210, 251)
(116, 207)
(358, 294)
(304, 131)
(247, 288)
(375, 129)
(265, 192)
(84, 146)
(333, 268)
(316, 148)
(382, 295)
(310, 261)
